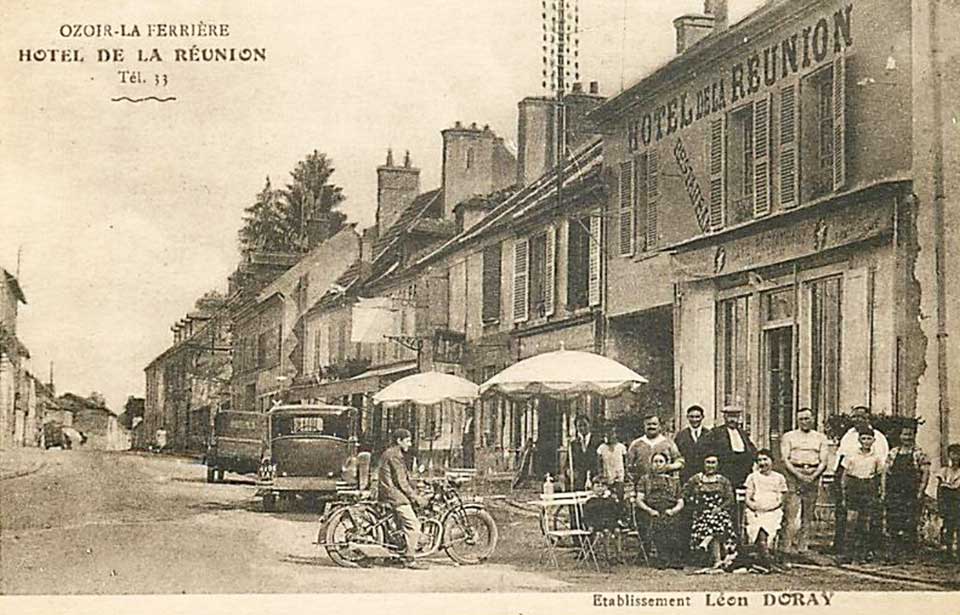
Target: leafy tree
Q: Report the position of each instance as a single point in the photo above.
(97, 398)
(278, 221)
(210, 301)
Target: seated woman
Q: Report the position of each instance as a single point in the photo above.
(710, 498)
(658, 495)
(765, 491)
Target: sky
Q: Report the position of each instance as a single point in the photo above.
(124, 214)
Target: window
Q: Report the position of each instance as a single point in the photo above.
(733, 353)
(578, 262)
(303, 284)
(823, 131)
(740, 165)
(825, 327)
(491, 283)
(538, 272)
(469, 161)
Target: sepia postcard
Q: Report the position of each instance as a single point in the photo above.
(510, 306)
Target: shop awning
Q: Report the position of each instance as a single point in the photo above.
(370, 382)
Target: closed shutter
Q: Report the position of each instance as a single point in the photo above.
(521, 279)
(788, 146)
(761, 155)
(652, 212)
(491, 283)
(718, 160)
(839, 121)
(640, 196)
(627, 232)
(596, 253)
(549, 270)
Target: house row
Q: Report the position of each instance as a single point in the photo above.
(762, 221)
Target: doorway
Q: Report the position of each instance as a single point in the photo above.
(778, 382)
(549, 437)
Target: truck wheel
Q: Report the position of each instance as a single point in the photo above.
(211, 475)
(219, 475)
(269, 502)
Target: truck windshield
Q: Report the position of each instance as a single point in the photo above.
(337, 425)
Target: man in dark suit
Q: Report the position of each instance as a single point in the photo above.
(692, 441)
(735, 452)
(583, 453)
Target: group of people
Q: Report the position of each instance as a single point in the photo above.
(685, 488)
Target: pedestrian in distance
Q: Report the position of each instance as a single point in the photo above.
(948, 500)
(804, 452)
(764, 506)
(908, 472)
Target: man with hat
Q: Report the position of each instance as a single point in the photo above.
(396, 488)
(734, 451)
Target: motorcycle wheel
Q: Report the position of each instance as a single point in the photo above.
(470, 538)
(345, 525)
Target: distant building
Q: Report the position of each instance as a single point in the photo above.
(97, 422)
(14, 383)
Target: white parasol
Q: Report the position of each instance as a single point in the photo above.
(427, 389)
(563, 374)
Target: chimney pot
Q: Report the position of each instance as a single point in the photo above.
(406, 159)
(594, 87)
(457, 124)
(473, 126)
(389, 157)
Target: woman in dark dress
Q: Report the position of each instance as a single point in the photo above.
(658, 495)
(710, 498)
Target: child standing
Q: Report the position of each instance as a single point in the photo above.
(765, 491)
(613, 454)
(658, 495)
(948, 497)
(862, 486)
(908, 471)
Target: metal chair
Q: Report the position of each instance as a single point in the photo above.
(575, 536)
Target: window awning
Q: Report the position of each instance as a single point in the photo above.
(370, 381)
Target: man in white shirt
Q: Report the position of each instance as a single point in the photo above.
(643, 448)
(849, 445)
(804, 452)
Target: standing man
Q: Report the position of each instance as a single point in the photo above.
(804, 452)
(643, 448)
(582, 453)
(396, 489)
(850, 445)
(469, 437)
(691, 441)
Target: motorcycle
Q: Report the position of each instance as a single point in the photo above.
(355, 533)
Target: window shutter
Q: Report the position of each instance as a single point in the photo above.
(788, 146)
(627, 188)
(761, 154)
(491, 283)
(839, 121)
(521, 263)
(718, 160)
(596, 243)
(651, 212)
(640, 196)
(549, 271)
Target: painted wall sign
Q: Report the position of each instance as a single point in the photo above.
(762, 68)
(692, 184)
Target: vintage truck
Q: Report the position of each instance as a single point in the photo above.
(237, 444)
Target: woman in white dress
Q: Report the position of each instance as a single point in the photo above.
(764, 514)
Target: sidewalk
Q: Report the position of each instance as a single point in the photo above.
(20, 461)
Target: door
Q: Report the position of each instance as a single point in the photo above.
(778, 376)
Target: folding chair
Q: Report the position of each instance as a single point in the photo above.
(637, 529)
(581, 539)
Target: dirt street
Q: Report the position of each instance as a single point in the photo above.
(121, 523)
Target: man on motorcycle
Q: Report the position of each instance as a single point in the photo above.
(396, 488)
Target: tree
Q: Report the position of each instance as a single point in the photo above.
(97, 398)
(263, 223)
(311, 196)
(210, 302)
(279, 220)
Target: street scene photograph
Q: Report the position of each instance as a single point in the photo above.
(653, 302)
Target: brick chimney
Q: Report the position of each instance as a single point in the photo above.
(397, 187)
(717, 8)
(692, 28)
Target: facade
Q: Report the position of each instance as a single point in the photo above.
(777, 204)
(15, 389)
(98, 423)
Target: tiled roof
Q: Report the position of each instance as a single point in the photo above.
(427, 205)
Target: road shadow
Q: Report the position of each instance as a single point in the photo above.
(229, 481)
(248, 506)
